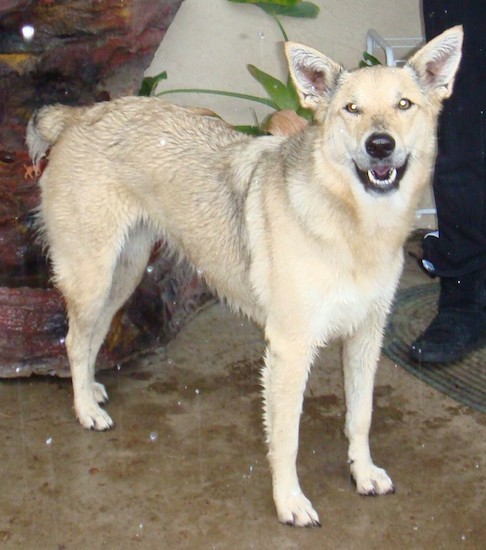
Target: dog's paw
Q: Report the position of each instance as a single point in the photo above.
(93, 417)
(296, 510)
(100, 393)
(372, 481)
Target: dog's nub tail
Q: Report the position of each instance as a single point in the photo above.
(45, 126)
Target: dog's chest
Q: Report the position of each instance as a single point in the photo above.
(340, 310)
(338, 296)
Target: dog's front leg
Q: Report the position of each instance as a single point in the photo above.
(360, 359)
(284, 379)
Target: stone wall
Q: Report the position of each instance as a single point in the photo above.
(73, 52)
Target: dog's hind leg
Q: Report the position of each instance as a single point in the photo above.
(90, 315)
(361, 352)
(81, 349)
(284, 378)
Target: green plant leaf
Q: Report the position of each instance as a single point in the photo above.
(291, 8)
(149, 83)
(293, 91)
(301, 111)
(277, 2)
(307, 10)
(250, 130)
(369, 60)
(237, 95)
(283, 96)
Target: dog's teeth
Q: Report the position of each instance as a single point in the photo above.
(392, 174)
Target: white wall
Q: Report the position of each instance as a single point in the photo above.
(210, 42)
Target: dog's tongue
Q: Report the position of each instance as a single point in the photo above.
(381, 171)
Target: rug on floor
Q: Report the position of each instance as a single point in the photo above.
(464, 381)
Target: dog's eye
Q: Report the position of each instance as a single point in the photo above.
(404, 104)
(352, 108)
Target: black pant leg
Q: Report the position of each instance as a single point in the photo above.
(459, 180)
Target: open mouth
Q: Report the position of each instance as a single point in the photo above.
(383, 178)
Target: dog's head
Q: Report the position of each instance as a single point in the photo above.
(378, 121)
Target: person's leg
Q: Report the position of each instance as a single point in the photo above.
(458, 255)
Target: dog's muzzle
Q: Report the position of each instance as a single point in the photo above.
(382, 176)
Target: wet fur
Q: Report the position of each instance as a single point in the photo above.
(282, 228)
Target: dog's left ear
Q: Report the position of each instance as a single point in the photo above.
(437, 62)
(313, 74)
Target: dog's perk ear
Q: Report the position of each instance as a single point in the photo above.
(313, 73)
(437, 62)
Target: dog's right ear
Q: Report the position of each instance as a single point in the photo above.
(312, 72)
(437, 62)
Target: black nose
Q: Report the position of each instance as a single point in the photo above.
(380, 146)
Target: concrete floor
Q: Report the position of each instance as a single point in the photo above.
(185, 466)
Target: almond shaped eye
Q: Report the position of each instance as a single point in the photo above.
(404, 104)
(352, 108)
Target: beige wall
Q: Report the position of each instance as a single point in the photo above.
(210, 42)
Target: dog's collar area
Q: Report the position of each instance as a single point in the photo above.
(382, 179)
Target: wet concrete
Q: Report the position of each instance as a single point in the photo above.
(185, 466)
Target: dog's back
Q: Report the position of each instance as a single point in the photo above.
(140, 161)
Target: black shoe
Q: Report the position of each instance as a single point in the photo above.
(460, 324)
(450, 336)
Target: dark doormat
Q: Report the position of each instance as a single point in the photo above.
(464, 381)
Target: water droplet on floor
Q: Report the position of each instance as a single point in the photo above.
(150, 268)
(250, 471)
(140, 528)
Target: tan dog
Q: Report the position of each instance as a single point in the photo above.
(303, 234)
